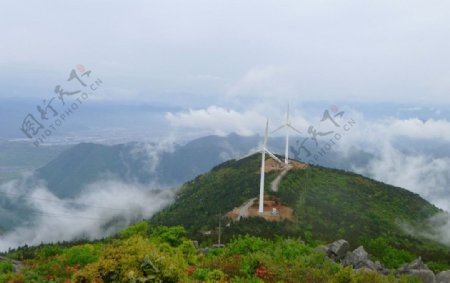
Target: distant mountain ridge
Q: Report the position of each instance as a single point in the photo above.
(19, 157)
(85, 163)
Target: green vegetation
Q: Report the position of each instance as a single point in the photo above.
(165, 255)
(390, 256)
(140, 228)
(201, 201)
(328, 204)
(6, 267)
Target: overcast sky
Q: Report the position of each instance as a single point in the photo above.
(222, 66)
(200, 53)
(181, 69)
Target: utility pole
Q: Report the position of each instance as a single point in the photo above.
(220, 226)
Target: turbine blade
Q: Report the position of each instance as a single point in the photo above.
(287, 115)
(294, 129)
(249, 154)
(273, 156)
(279, 128)
(266, 134)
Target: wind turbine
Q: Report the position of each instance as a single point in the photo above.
(264, 150)
(288, 127)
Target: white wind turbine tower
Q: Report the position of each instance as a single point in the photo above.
(288, 127)
(264, 150)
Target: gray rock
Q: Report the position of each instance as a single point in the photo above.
(426, 275)
(338, 249)
(443, 277)
(381, 269)
(376, 266)
(417, 264)
(357, 258)
(419, 269)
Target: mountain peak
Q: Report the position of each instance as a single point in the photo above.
(326, 203)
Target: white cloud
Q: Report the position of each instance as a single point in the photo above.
(418, 129)
(375, 135)
(104, 208)
(152, 151)
(219, 121)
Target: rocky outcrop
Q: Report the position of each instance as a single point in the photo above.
(419, 269)
(360, 260)
(443, 277)
(336, 250)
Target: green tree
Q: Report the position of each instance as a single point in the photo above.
(140, 228)
(174, 236)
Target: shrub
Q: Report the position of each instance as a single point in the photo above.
(135, 259)
(391, 257)
(6, 267)
(437, 266)
(140, 228)
(49, 251)
(174, 236)
(215, 276)
(247, 244)
(345, 275)
(200, 274)
(81, 255)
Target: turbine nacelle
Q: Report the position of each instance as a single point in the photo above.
(288, 127)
